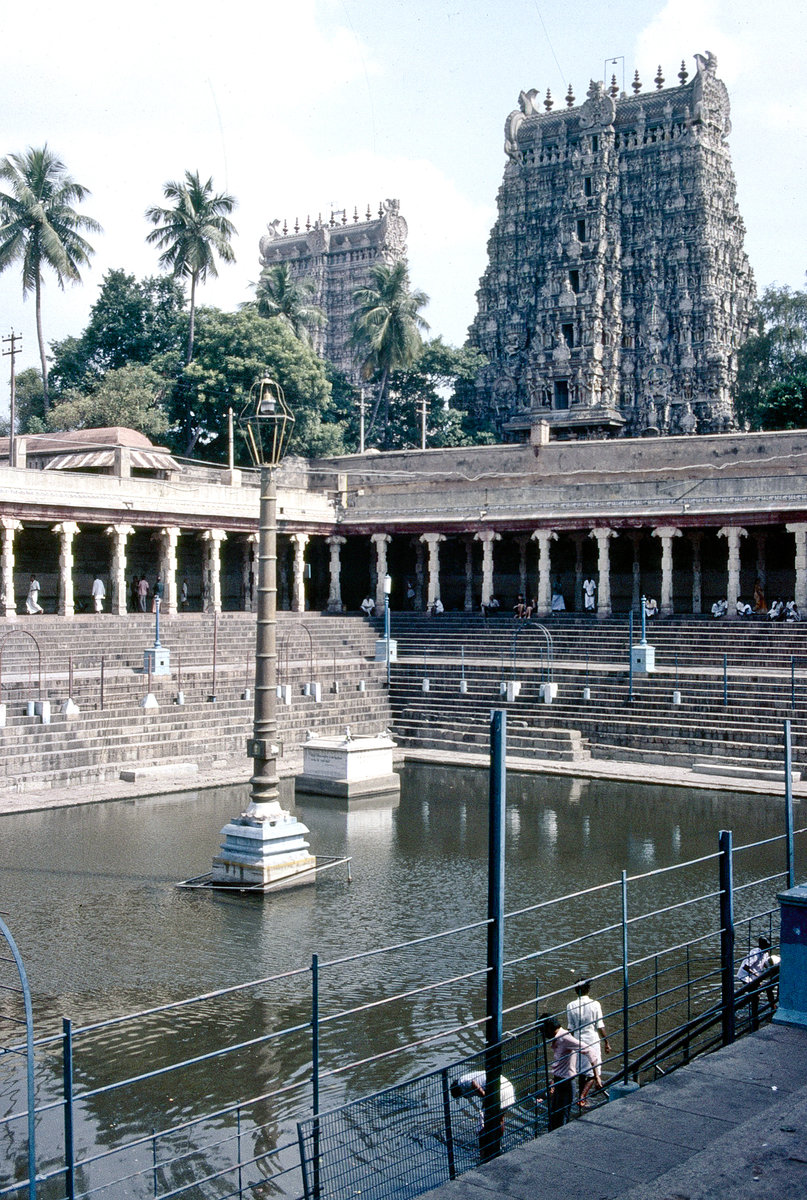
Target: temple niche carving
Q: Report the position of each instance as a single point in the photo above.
(617, 290)
(336, 256)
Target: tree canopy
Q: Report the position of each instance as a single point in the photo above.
(39, 227)
(131, 322)
(232, 351)
(131, 396)
(386, 329)
(279, 294)
(191, 233)
(772, 374)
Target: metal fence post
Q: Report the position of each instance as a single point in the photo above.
(727, 935)
(102, 683)
(625, 980)
(315, 1064)
(630, 659)
(792, 681)
(491, 1104)
(791, 860)
(725, 680)
(452, 1168)
(67, 1076)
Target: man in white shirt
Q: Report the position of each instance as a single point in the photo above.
(98, 593)
(584, 1018)
(472, 1087)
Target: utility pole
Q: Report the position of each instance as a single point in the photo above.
(14, 343)
(423, 423)
(361, 420)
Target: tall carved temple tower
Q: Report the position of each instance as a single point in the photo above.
(617, 290)
(336, 257)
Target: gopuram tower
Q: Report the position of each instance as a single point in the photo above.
(336, 256)
(617, 290)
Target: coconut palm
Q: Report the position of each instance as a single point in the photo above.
(280, 294)
(39, 226)
(191, 233)
(386, 328)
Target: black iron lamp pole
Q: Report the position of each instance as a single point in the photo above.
(267, 423)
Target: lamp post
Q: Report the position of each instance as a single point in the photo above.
(387, 590)
(267, 424)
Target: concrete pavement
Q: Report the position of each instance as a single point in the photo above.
(730, 1126)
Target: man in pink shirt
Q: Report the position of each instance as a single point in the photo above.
(565, 1051)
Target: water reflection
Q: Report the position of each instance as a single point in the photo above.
(90, 898)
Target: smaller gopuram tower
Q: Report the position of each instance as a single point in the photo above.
(336, 256)
(617, 290)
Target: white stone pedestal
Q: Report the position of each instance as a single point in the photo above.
(348, 768)
(265, 845)
(160, 659)
(643, 658)
(381, 650)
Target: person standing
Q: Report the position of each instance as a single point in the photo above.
(143, 593)
(183, 595)
(32, 604)
(98, 593)
(565, 1051)
(584, 1018)
(157, 594)
(589, 594)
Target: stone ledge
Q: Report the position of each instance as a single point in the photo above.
(159, 771)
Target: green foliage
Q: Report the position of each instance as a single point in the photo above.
(40, 228)
(131, 396)
(435, 378)
(386, 329)
(30, 401)
(131, 322)
(232, 351)
(772, 363)
(279, 294)
(191, 233)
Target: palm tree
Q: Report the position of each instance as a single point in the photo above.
(190, 233)
(39, 226)
(281, 295)
(386, 327)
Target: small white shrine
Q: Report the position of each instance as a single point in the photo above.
(265, 845)
(347, 768)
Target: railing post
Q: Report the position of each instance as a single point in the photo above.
(102, 683)
(789, 849)
(625, 980)
(452, 1168)
(793, 681)
(155, 1184)
(727, 935)
(630, 662)
(215, 653)
(315, 1065)
(240, 1153)
(67, 1076)
(491, 1104)
(725, 680)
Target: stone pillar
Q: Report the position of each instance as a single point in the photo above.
(761, 539)
(544, 537)
(666, 602)
(212, 569)
(636, 593)
(799, 531)
(380, 541)
(300, 541)
(9, 527)
(169, 537)
(420, 571)
(697, 578)
(577, 538)
(468, 604)
(335, 566)
(487, 537)
(249, 563)
(66, 530)
(523, 586)
(433, 540)
(602, 538)
(117, 570)
(732, 534)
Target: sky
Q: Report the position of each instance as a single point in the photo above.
(299, 108)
